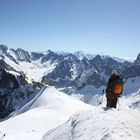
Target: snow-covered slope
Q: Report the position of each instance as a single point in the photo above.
(33, 65)
(1, 135)
(35, 70)
(132, 101)
(57, 116)
(99, 124)
(49, 111)
(102, 123)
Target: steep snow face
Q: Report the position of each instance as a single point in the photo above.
(99, 124)
(50, 110)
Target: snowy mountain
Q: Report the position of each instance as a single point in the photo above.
(15, 88)
(15, 92)
(56, 69)
(137, 61)
(57, 116)
(98, 124)
(72, 74)
(51, 109)
(80, 55)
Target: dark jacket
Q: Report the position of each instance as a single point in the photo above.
(111, 97)
(110, 83)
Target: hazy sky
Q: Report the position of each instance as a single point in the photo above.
(93, 26)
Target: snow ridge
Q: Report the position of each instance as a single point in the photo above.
(57, 116)
(99, 124)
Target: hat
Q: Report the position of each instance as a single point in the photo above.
(114, 72)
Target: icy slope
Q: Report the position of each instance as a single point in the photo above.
(99, 124)
(50, 110)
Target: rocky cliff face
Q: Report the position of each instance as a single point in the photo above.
(87, 72)
(22, 55)
(15, 91)
(137, 61)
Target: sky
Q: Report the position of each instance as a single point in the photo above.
(110, 27)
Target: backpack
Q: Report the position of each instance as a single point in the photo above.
(117, 86)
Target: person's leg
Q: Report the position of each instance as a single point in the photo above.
(111, 101)
(108, 101)
(114, 103)
(108, 104)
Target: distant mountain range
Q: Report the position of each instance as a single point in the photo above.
(72, 73)
(67, 69)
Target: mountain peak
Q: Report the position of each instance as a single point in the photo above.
(22, 55)
(137, 61)
(3, 48)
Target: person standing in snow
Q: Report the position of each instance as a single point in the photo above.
(114, 89)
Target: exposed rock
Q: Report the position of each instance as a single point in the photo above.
(36, 55)
(22, 55)
(137, 61)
